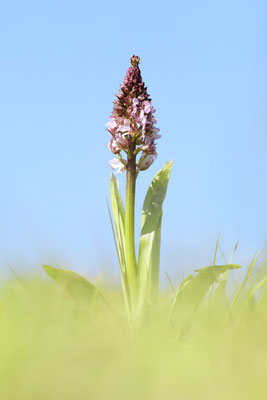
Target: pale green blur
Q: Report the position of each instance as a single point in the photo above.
(50, 349)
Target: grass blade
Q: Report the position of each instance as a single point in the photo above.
(216, 249)
(245, 280)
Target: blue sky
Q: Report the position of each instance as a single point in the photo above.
(61, 62)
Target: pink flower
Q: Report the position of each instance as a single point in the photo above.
(142, 117)
(112, 145)
(111, 123)
(126, 127)
(147, 107)
(115, 163)
(121, 142)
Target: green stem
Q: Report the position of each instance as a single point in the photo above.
(129, 230)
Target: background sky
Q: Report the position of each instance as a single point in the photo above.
(61, 63)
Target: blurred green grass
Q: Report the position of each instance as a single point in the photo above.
(50, 349)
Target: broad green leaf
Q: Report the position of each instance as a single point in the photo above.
(192, 290)
(217, 269)
(82, 292)
(119, 231)
(149, 245)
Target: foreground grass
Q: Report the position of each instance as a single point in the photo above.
(52, 349)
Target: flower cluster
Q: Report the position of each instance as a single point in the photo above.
(132, 122)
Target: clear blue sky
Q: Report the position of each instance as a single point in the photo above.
(61, 62)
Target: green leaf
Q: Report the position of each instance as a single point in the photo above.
(192, 290)
(119, 231)
(82, 292)
(149, 245)
(218, 269)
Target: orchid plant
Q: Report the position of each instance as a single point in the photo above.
(133, 135)
(132, 126)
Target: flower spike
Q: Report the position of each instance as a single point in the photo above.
(132, 121)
